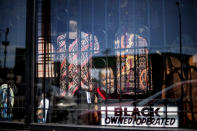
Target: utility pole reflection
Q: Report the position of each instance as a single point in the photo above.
(5, 43)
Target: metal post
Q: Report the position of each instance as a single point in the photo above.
(181, 60)
(180, 35)
(30, 54)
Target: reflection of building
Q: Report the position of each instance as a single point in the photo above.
(45, 57)
(20, 64)
(187, 76)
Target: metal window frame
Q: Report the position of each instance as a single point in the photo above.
(30, 61)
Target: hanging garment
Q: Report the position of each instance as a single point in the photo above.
(75, 60)
(134, 75)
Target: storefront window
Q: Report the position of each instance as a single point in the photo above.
(12, 59)
(116, 62)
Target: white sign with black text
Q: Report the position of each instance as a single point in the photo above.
(156, 116)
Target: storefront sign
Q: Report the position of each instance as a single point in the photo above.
(156, 116)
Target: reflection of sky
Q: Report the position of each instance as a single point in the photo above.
(106, 20)
(13, 16)
(155, 21)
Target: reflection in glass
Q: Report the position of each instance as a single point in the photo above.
(133, 66)
(49, 65)
(112, 52)
(12, 59)
(75, 62)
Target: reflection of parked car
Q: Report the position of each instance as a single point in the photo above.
(172, 92)
(186, 102)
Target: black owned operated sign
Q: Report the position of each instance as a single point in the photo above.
(157, 116)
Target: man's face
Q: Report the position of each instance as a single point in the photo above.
(107, 80)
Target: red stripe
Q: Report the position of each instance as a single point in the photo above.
(64, 74)
(70, 85)
(86, 47)
(62, 44)
(70, 66)
(75, 57)
(63, 93)
(72, 45)
(100, 93)
(76, 88)
(85, 61)
(63, 63)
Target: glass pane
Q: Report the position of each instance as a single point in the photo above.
(113, 57)
(12, 59)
